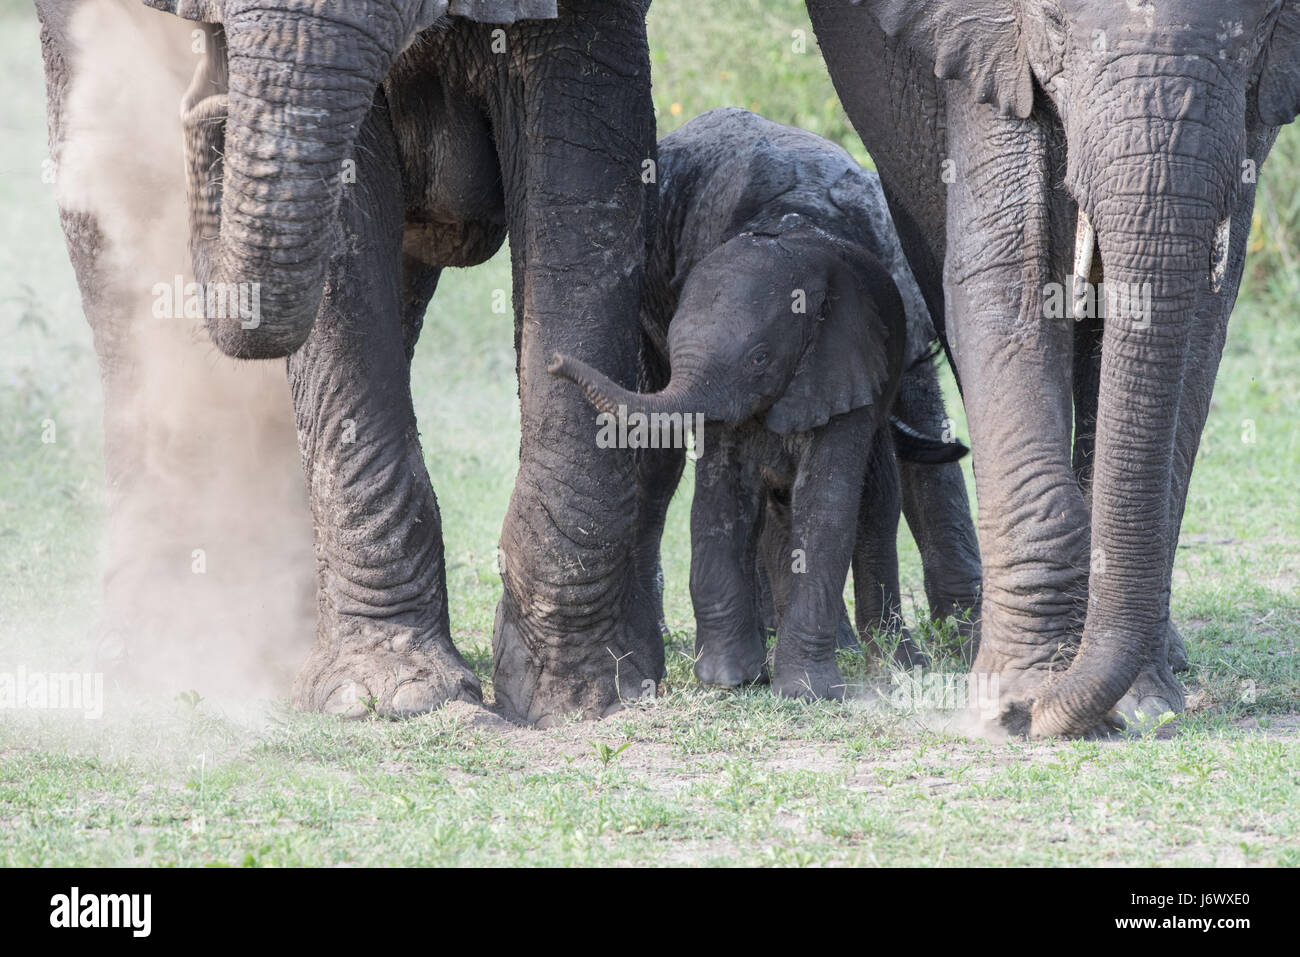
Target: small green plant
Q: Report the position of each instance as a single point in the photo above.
(606, 753)
(1147, 726)
(189, 699)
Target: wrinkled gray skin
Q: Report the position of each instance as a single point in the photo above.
(750, 211)
(994, 124)
(340, 158)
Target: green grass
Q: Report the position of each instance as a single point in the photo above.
(705, 777)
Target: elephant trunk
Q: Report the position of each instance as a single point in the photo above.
(266, 152)
(683, 395)
(1159, 229)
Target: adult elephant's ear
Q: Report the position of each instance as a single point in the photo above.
(979, 42)
(855, 339)
(202, 11)
(1279, 84)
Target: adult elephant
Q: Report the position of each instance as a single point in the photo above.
(339, 155)
(1020, 143)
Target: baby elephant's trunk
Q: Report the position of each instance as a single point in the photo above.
(607, 395)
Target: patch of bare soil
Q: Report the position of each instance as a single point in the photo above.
(1271, 725)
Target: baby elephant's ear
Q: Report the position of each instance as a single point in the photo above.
(854, 349)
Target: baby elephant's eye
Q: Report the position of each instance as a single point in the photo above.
(758, 358)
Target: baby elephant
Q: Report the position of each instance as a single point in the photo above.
(784, 330)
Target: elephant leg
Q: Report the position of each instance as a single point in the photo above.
(419, 283)
(846, 635)
(574, 125)
(384, 639)
(876, 590)
(775, 567)
(730, 647)
(938, 513)
(1033, 521)
(824, 507)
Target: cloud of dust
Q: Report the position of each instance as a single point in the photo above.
(209, 580)
(955, 703)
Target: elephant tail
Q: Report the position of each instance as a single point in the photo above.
(917, 447)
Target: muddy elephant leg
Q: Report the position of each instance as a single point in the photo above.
(575, 132)
(384, 640)
(419, 283)
(1033, 521)
(938, 513)
(824, 509)
(876, 592)
(730, 646)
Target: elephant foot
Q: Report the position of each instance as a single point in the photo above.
(806, 674)
(391, 670)
(1156, 692)
(543, 679)
(730, 664)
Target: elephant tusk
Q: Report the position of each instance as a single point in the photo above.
(1085, 242)
(1219, 254)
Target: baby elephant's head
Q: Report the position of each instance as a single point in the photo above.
(797, 327)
